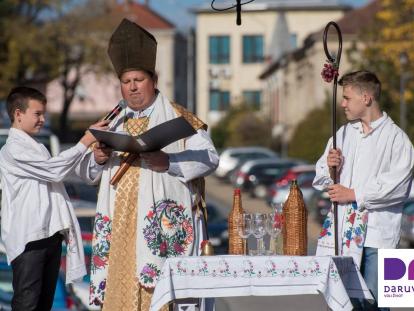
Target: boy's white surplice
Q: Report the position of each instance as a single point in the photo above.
(35, 204)
(378, 166)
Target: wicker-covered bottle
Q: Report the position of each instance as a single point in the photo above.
(235, 241)
(295, 215)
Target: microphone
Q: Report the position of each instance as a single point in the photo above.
(118, 108)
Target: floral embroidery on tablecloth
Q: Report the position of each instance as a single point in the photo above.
(168, 230)
(101, 242)
(247, 269)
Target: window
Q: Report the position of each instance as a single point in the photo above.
(219, 100)
(219, 49)
(252, 98)
(293, 40)
(252, 49)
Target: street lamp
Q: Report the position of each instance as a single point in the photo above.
(404, 76)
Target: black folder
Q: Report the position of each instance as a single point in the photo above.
(154, 139)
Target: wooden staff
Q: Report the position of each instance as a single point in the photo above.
(123, 168)
(335, 61)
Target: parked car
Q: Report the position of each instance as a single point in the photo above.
(217, 227)
(296, 172)
(278, 195)
(322, 207)
(407, 225)
(255, 176)
(230, 158)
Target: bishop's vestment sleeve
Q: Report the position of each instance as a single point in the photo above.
(199, 158)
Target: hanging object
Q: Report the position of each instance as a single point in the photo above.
(330, 72)
(237, 6)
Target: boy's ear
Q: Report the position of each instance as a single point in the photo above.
(17, 115)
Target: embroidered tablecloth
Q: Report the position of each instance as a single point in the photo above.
(337, 278)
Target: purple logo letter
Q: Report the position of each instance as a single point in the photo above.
(394, 269)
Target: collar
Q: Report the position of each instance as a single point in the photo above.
(357, 124)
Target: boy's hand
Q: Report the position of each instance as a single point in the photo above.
(341, 194)
(88, 139)
(335, 159)
(157, 161)
(101, 153)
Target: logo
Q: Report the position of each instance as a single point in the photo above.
(396, 277)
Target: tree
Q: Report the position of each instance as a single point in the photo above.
(311, 135)
(391, 35)
(48, 39)
(242, 126)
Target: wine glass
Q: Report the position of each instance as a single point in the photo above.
(274, 226)
(259, 230)
(244, 228)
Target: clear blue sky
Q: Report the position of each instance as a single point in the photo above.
(176, 11)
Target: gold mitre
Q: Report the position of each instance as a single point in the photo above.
(131, 47)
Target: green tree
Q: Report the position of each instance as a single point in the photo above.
(390, 35)
(242, 126)
(48, 39)
(311, 134)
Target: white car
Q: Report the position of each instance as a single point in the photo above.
(230, 158)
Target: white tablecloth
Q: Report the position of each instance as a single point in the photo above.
(337, 278)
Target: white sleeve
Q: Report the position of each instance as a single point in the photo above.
(88, 170)
(323, 178)
(199, 159)
(390, 188)
(28, 164)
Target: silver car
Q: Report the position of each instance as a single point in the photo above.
(231, 158)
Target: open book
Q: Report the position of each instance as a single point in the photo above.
(154, 139)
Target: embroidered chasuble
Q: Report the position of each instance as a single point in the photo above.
(123, 292)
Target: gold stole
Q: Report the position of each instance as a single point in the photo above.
(123, 292)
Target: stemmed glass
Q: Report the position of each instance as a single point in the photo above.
(259, 230)
(274, 226)
(244, 228)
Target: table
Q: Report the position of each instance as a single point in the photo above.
(336, 278)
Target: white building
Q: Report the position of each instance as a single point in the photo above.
(230, 58)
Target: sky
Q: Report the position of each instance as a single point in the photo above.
(177, 11)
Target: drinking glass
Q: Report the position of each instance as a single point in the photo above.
(244, 228)
(274, 226)
(259, 230)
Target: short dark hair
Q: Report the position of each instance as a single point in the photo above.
(19, 97)
(365, 80)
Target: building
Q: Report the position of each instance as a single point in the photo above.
(293, 83)
(96, 94)
(230, 58)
